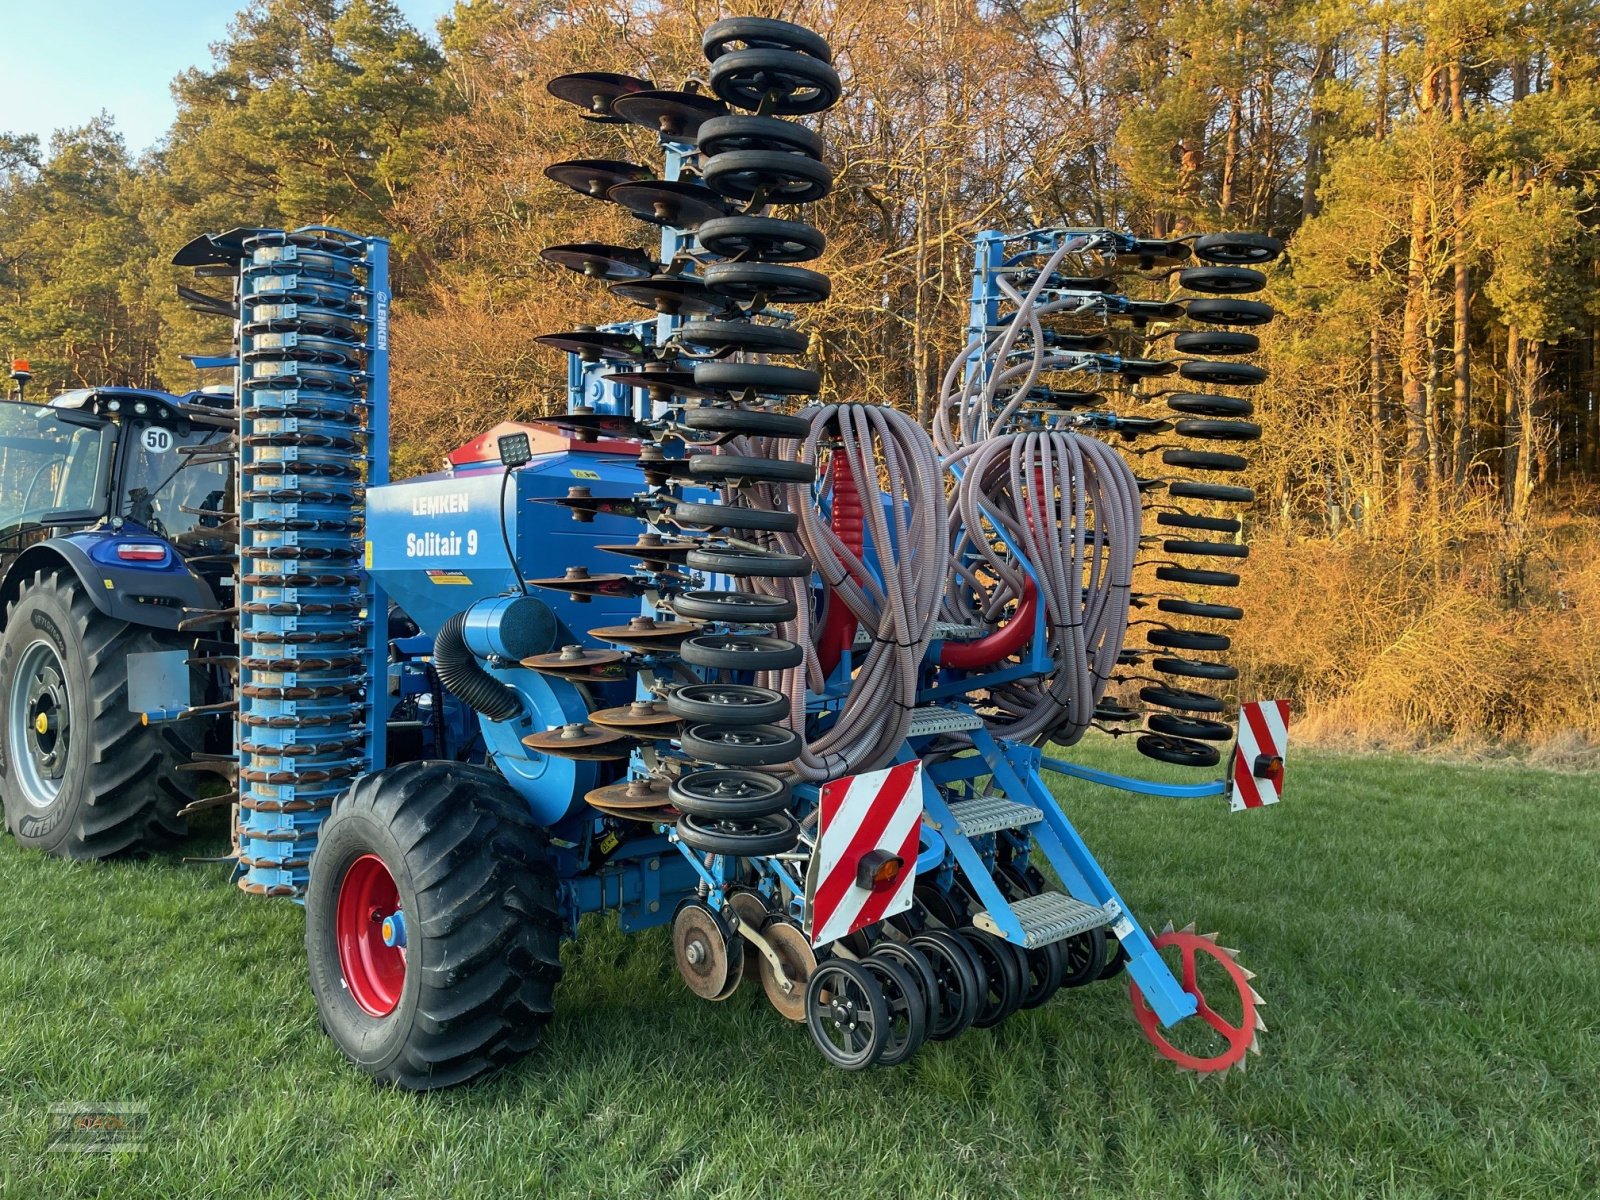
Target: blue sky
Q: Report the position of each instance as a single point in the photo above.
(62, 61)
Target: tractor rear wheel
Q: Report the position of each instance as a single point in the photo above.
(81, 775)
(433, 930)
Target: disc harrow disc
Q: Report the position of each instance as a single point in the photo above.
(652, 548)
(709, 958)
(672, 294)
(596, 92)
(685, 205)
(599, 261)
(596, 176)
(644, 633)
(799, 961)
(578, 662)
(591, 345)
(664, 382)
(635, 794)
(642, 719)
(582, 741)
(676, 116)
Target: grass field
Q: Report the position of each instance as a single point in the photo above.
(1427, 938)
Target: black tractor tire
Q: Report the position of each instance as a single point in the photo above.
(115, 788)
(479, 893)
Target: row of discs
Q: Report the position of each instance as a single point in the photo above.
(1189, 722)
(726, 327)
(303, 346)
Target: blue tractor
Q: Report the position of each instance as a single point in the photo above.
(112, 530)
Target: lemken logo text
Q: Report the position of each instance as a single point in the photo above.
(435, 506)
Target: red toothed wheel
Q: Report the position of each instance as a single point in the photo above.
(1225, 1038)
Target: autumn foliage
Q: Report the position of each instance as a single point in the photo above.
(1423, 562)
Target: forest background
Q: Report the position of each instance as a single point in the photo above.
(1424, 564)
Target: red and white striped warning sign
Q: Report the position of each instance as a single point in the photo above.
(865, 861)
(1258, 754)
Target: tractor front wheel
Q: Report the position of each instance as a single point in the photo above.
(433, 930)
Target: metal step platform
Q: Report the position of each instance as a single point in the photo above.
(931, 719)
(943, 631)
(990, 814)
(1049, 917)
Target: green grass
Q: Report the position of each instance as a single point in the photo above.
(1425, 935)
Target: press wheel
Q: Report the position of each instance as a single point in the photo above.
(955, 1002)
(847, 1014)
(908, 1010)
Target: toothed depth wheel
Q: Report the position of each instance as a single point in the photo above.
(1226, 1024)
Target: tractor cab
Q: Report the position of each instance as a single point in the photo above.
(124, 459)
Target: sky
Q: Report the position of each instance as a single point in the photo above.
(62, 61)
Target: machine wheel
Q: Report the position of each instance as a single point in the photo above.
(1237, 248)
(783, 177)
(765, 34)
(737, 608)
(846, 1014)
(727, 703)
(915, 964)
(1208, 404)
(1085, 955)
(1178, 751)
(1226, 373)
(790, 84)
(729, 794)
(955, 1003)
(1230, 312)
(762, 239)
(741, 652)
(440, 863)
(81, 776)
(753, 838)
(1045, 969)
(1186, 489)
(750, 423)
(1000, 993)
(741, 745)
(939, 905)
(750, 564)
(908, 1010)
(1219, 342)
(1222, 281)
(736, 132)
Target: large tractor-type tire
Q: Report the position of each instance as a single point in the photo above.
(432, 925)
(81, 775)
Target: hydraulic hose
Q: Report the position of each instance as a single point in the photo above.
(898, 605)
(1071, 505)
(465, 677)
(1067, 503)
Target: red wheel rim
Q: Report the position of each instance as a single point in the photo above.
(374, 972)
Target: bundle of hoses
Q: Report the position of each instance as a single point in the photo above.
(890, 463)
(980, 390)
(1071, 505)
